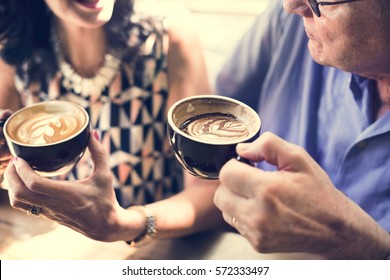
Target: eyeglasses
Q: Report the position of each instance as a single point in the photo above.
(315, 6)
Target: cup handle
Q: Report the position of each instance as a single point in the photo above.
(2, 122)
(5, 117)
(244, 160)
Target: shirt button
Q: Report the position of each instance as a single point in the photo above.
(362, 144)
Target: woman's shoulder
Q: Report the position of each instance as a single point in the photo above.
(161, 24)
(174, 18)
(172, 10)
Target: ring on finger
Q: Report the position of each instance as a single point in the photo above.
(33, 210)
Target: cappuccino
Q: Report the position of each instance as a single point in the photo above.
(51, 136)
(215, 128)
(46, 125)
(204, 131)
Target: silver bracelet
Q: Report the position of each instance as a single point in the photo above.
(150, 227)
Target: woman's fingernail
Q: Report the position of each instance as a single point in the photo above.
(15, 161)
(96, 135)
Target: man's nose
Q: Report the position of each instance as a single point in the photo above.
(298, 7)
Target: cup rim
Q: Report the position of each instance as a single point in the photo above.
(11, 139)
(219, 97)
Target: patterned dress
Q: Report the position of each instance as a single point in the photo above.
(130, 115)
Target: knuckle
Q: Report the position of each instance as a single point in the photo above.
(14, 203)
(216, 198)
(268, 195)
(220, 199)
(259, 223)
(32, 185)
(18, 193)
(262, 247)
(296, 153)
(267, 138)
(262, 242)
(106, 177)
(226, 171)
(240, 177)
(270, 192)
(259, 243)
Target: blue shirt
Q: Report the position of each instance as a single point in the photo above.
(323, 109)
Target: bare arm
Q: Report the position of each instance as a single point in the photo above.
(193, 209)
(187, 71)
(190, 211)
(102, 218)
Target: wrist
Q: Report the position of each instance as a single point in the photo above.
(374, 245)
(388, 251)
(127, 224)
(149, 226)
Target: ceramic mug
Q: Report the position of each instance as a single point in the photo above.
(204, 131)
(51, 136)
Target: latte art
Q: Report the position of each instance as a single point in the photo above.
(215, 127)
(45, 128)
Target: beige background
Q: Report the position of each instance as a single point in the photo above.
(220, 24)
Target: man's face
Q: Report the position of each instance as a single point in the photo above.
(354, 37)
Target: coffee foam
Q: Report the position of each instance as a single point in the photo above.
(46, 123)
(45, 128)
(215, 128)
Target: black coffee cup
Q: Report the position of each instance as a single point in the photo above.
(204, 146)
(51, 136)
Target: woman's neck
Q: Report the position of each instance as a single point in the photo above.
(83, 48)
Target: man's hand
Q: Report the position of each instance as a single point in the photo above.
(295, 208)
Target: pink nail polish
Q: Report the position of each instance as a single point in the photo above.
(96, 135)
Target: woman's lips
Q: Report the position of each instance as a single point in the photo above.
(92, 4)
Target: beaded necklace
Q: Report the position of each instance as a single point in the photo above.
(85, 86)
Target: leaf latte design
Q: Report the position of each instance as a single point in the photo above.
(46, 128)
(215, 128)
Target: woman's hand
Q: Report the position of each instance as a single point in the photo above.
(296, 208)
(88, 206)
(5, 155)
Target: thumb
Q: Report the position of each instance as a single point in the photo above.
(4, 115)
(274, 150)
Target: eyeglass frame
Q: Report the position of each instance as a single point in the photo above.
(315, 6)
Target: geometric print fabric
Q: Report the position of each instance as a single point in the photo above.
(131, 122)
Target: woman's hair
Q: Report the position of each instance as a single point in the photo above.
(25, 34)
(23, 28)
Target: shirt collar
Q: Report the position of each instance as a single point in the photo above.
(363, 89)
